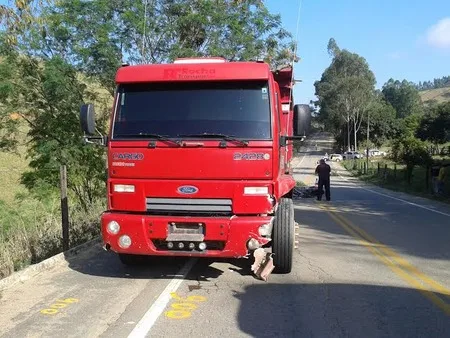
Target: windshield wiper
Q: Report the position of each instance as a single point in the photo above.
(221, 136)
(151, 136)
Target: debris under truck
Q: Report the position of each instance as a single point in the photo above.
(199, 162)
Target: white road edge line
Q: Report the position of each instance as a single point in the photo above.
(397, 199)
(301, 161)
(149, 319)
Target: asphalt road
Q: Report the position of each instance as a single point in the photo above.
(370, 263)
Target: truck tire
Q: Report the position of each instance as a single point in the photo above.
(283, 236)
(131, 260)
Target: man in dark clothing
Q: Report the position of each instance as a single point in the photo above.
(324, 171)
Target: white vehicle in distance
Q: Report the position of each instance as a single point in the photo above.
(375, 153)
(351, 155)
(336, 157)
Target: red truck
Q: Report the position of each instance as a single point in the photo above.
(199, 162)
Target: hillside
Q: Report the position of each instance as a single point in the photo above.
(439, 95)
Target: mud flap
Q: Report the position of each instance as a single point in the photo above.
(263, 265)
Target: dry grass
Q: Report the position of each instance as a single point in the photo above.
(12, 165)
(439, 95)
(32, 232)
(11, 168)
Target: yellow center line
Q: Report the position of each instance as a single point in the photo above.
(390, 261)
(402, 262)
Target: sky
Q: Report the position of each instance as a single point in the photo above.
(400, 39)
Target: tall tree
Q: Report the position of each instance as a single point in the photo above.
(345, 89)
(381, 117)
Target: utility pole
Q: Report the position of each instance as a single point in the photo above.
(144, 34)
(64, 208)
(368, 128)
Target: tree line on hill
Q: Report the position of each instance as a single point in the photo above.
(443, 82)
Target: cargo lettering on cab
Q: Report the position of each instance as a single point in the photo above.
(128, 156)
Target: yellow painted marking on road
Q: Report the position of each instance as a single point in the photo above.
(59, 304)
(49, 311)
(68, 300)
(178, 314)
(400, 260)
(184, 306)
(389, 261)
(194, 298)
(183, 309)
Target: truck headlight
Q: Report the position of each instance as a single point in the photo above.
(113, 228)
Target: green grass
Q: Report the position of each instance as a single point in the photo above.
(393, 176)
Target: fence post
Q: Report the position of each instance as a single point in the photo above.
(427, 178)
(64, 208)
(378, 169)
(395, 171)
(385, 171)
(365, 168)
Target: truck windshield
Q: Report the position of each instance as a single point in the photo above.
(236, 109)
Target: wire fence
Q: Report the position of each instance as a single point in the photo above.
(423, 180)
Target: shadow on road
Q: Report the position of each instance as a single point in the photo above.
(100, 263)
(338, 310)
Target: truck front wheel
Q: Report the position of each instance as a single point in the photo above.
(284, 236)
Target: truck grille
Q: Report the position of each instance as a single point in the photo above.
(189, 206)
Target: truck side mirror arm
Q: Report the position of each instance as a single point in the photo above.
(284, 139)
(101, 140)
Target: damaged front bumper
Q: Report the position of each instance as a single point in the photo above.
(151, 235)
(263, 264)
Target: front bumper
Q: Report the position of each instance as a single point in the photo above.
(224, 236)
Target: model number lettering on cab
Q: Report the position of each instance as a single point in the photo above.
(128, 156)
(251, 156)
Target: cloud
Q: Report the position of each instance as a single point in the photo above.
(438, 35)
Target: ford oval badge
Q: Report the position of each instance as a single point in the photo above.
(187, 189)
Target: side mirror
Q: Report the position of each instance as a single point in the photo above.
(302, 119)
(87, 118)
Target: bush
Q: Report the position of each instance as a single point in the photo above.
(411, 152)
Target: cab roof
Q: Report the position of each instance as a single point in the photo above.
(201, 69)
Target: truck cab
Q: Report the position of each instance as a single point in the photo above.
(198, 161)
